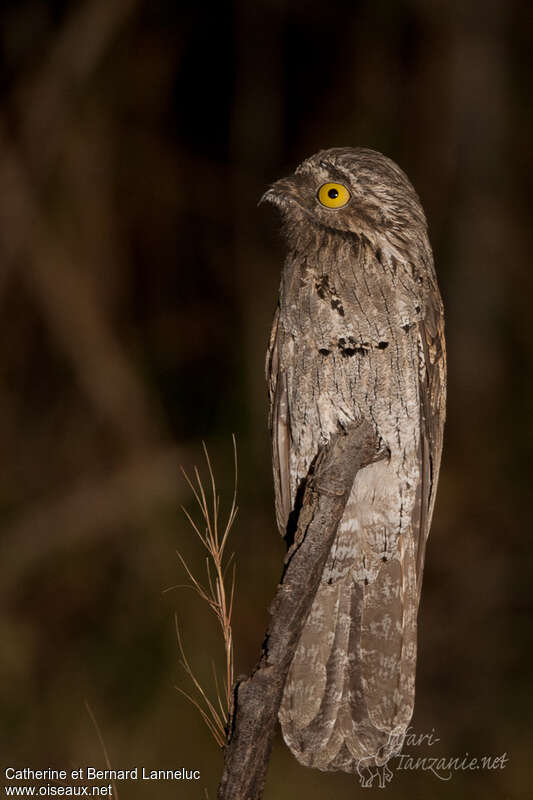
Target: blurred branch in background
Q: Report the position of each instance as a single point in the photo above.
(61, 285)
(68, 299)
(46, 100)
(128, 495)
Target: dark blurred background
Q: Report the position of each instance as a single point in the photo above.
(138, 280)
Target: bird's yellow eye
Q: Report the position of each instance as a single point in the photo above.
(333, 195)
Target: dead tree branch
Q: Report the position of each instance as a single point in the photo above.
(256, 699)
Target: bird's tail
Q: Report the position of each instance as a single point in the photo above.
(349, 694)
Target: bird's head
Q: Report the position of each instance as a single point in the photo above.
(354, 190)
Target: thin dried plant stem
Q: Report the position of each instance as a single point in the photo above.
(102, 745)
(213, 720)
(217, 592)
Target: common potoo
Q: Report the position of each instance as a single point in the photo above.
(358, 333)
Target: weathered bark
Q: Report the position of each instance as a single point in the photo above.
(257, 698)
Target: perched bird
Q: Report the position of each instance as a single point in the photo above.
(358, 333)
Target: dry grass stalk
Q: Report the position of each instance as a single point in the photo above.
(102, 745)
(218, 593)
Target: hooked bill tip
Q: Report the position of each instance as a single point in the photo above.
(267, 197)
(275, 196)
(280, 192)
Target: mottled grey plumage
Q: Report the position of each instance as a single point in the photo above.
(358, 333)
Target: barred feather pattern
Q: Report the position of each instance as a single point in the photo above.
(358, 334)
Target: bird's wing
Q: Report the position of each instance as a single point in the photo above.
(432, 415)
(279, 426)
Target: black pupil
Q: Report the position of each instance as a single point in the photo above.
(333, 193)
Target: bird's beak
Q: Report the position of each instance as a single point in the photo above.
(280, 192)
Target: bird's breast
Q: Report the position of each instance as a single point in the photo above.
(350, 349)
(349, 296)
